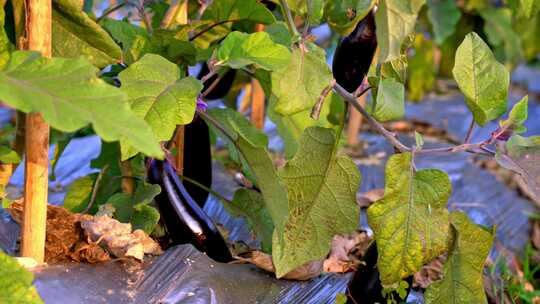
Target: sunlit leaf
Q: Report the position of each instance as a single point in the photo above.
(240, 49)
(517, 117)
(322, 200)
(16, 283)
(69, 95)
(410, 223)
(159, 95)
(75, 34)
(462, 275)
(343, 15)
(389, 103)
(395, 20)
(482, 79)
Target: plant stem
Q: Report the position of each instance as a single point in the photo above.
(209, 190)
(288, 17)
(111, 10)
(209, 28)
(95, 189)
(469, 132)
(391, 137)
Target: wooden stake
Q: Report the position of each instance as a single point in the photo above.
(355, 123)
(128, 184)
(38, 24)
(257, 96)
(179, 141)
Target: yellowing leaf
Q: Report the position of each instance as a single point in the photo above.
(410, 222)
(322, 200)
(462, 279)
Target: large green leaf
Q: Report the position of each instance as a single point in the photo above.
(158, 95)
(410, 222)
(395, 20)
(251, 143)
(240, 49)
(145, 217)
(299, 85)
(16, 283)
(390, 101)
(462, 277)
(444, 16)
(322, 200)
(69, 95)
(291, 127)
(422, 69)
(250, 204)
(343, 15)
(522, 155)
(498, 27)
(482, 79)
(75, 34)
(238, 10)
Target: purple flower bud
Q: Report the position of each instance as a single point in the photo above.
(201, 105)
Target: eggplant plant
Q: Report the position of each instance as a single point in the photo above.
(127, 80)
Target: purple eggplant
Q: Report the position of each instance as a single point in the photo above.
(354, 54)
(222, 87)
(184, 220)
(197, 159)
(365, 286)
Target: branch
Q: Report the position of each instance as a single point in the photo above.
(111, 10)
(391, 137)
(288, 17)
(469, 132)
(210, 27)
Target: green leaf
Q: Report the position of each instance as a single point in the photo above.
(395, 20)
(482, 79)
(315, 10)
(279, 33)
(298, 86)
(462, 278)
(79, 192)
(322, 200)
(5, 45)
(134, 40)
(343, 15)
(291, 127)
(250, 204)
(396, 68)
(158, 95)
(422, 69)
(69, 95)
(8, 156)
(145, 193)
(341, 298)
(122, 203)
(145, 217)
(522, 155)
(410, 222)
(444, 16)
(498, 27)
(390, 102)
(75, 34)
(16, 283)
(528, 8)
(251, 143)
(518, 116)
(239, 50)
(238, 10)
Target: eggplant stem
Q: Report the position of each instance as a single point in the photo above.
(207, 189)
(95, 189)
(288, 17)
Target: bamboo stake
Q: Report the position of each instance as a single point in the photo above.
(257, 96)
(38, 24)
(355, 123)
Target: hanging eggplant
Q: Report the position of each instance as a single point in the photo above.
(197, 159)
(365, 286)
(222, 87)
(354, 54)
(183, 219)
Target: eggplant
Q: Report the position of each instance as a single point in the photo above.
(184, 220)
(197, 159)
(354, 54)
(222, 87)
(269, 4)
(365, 287)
